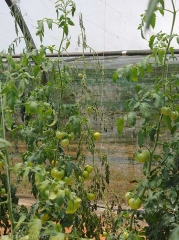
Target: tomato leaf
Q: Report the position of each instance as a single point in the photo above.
(60, 197)
(34, 228)
(49, 23)
(134, 74)
(173, 195)
(9, 120)
(141, 137)
(59, 236)
(4, 143)
(152, 133)
(151, 41)
(120, 125)
(26, 172)
(168, 122)
(17, 167)
(145, 109)
(21, 220)
(149, 13)
(131, 118)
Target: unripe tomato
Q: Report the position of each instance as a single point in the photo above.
(80, 75)
(60, 174)
(44, 217)
(29, 164)
(142, 156)
(91, 196)
(135, 203)
(126, 235)
(85, 174)
(68, 180)
(60, 134)
(89, 168)
(2, 190)
(55, 173)
(174, 115)
(71, 136)
(89, 109)
(33, 107)
(105, 234)
(64, 142)
(128, 195)
(165, 111)
(54, 163)
(96, 136)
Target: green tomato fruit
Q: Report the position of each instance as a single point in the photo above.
(60, 134)
(57, 174)
(68, 180)
(64, 142)
(80, 75)
(105, 234)
(89, 168)
(128, 195)
(96, 136)
(174, 115)
(91, 196)
(135, 203)
(126, 235)
(2, 191)
(71, 136)
(85, 174)
(165, 111)
(143, 156)
(32, 107)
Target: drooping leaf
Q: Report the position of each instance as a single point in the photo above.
(120, 125)
(4, 143)
(115, 77)
(17, 167)
(151, 41)
(168, 122)
(34, 229)
(145, 109)
(21, 220)
(9, 120)
(175, 234)
(131, 118)
(25, 174)
(49, 23)
(161, 54)
(150, 10)
(21, 87)
(134, 74)
(158, 98)
(141, 137)
(152, 133)
(59, 236)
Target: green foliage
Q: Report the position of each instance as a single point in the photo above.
(154, 110)
(32, 113)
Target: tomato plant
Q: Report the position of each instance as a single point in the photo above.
(153, 110)
(42, 109)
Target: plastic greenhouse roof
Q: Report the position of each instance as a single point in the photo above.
(110, 25)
